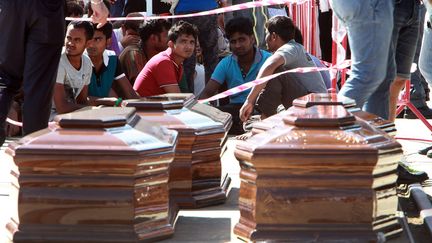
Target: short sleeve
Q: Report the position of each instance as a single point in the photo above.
(220, 73)
(61, 74)
(288, 53)
(166, 73)
(88, 71)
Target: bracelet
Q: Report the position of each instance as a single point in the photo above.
(96, 3)
(118, 102)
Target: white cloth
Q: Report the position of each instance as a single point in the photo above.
(74, 80)
(199, 80)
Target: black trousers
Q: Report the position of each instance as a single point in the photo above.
(30, 46)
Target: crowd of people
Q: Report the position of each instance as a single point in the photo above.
(203, 55)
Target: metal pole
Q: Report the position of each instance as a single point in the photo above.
(149, 5)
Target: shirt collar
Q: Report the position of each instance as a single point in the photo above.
(258, 56)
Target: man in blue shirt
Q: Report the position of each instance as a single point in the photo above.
(238, 68)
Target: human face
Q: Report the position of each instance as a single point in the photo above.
(271, 41)
(162, 41)
(184, 46)
(241, 44)
(75, 41)
(97, 45)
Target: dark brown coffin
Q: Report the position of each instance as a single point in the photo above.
(322, 176)
(94, 178)
(327, 99)
(195, 174)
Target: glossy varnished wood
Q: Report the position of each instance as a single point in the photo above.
(104, 183)
(195, 174)
(330, 99)
(301, 182)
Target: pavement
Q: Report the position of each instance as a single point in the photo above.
(215, 224)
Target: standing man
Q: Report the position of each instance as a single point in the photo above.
(240, 67)
(369, 24)
(287, 54)
(29, 56)
(163, 72)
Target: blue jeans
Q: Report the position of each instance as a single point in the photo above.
(401, 53)
(425, 60)
(369, 24)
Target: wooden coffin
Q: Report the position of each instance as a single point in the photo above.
(195, 174)
(92, 177)
(324, 176)
(327, 99)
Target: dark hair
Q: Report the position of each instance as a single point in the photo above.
(133, 24)
(153, 27)
(298, 37)
(86, 25)
(106, 29)
(282, 26)
(182, 28)
(239, 25)
(74, 9)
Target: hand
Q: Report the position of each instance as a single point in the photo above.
(100, 13)
(246, 111)
(130, 40)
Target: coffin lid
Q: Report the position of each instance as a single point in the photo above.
(182, 120)
(161, 102)
(318, 130)
(324, 99)
(103, 131)
(319, 116)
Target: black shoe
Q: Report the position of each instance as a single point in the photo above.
(405, 176)
(425, 110)
(425, 151)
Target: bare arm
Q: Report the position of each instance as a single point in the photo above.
(62, 104)
(125, 88)
(268, 68)
(100, 12)
(210, 89)
(174, 88)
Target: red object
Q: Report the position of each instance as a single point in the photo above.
(160, 70)
(406, 102)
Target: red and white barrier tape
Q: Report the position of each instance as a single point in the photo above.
(256, 82)
(232, 8)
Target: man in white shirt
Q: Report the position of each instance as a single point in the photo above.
(75, 69)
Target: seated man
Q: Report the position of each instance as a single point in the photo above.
(163, 72)
(107, 77)
(74, 71)
(288, 54)
(238, 68)
(153, 35)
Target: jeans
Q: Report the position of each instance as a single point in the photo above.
(369, 24)
(401, 53)
(419, 87)
(425, 59)
(29, 56)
